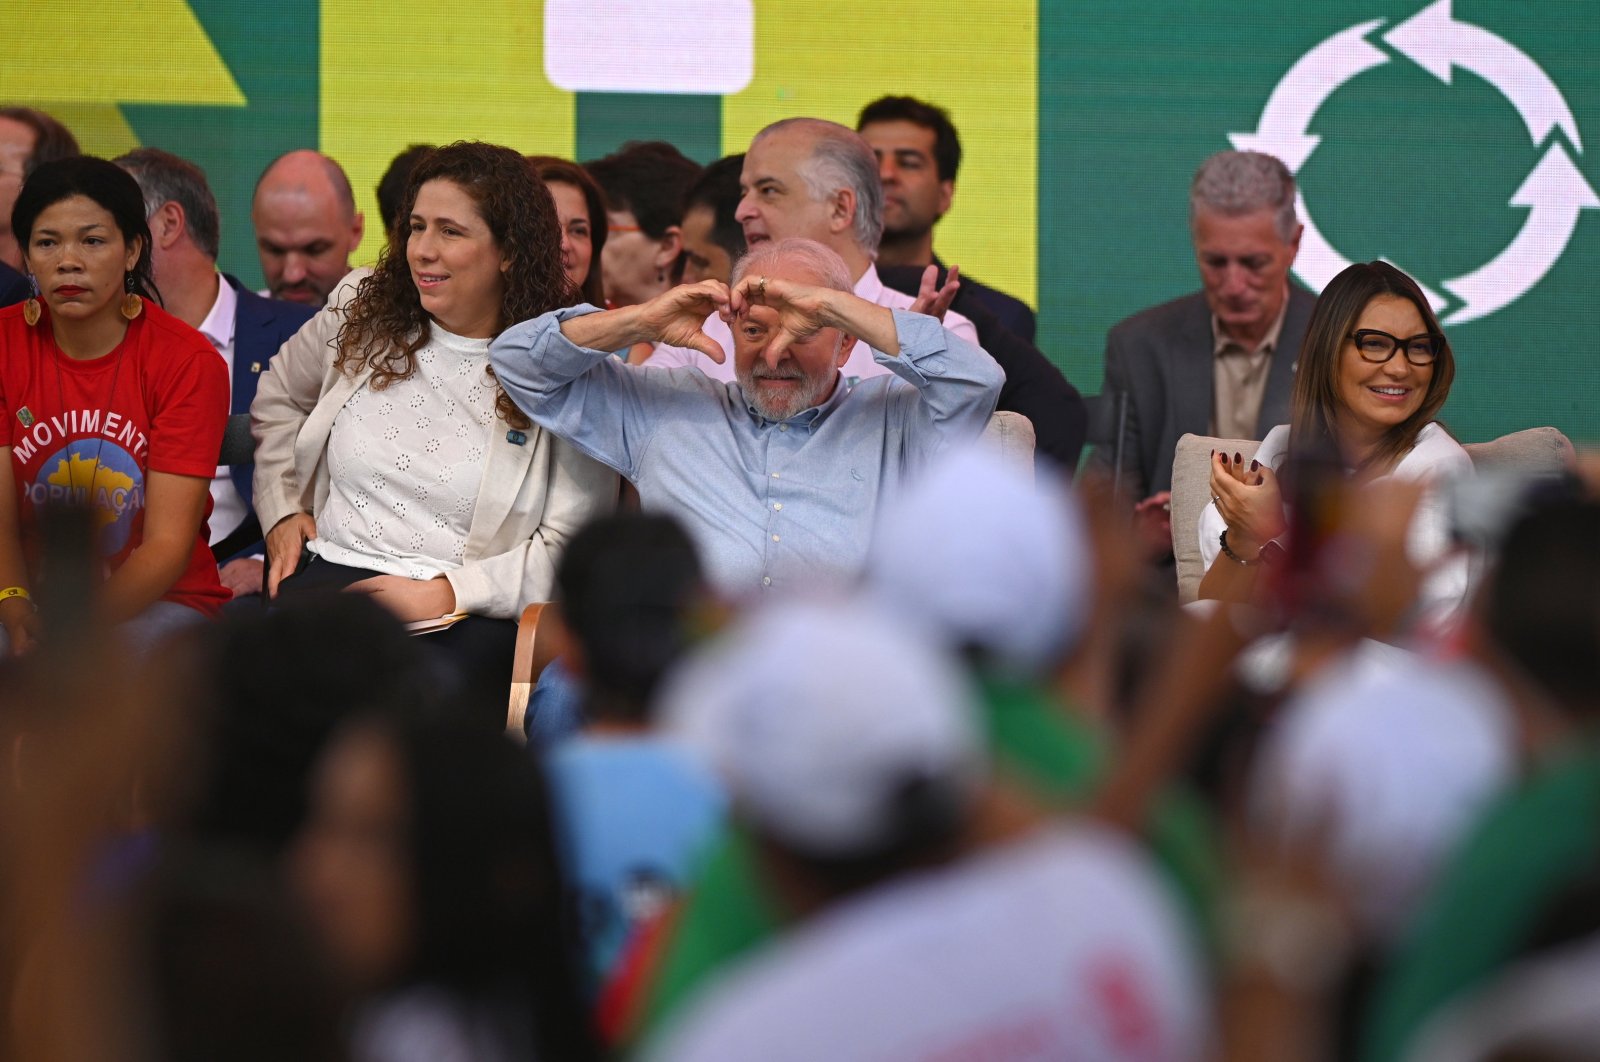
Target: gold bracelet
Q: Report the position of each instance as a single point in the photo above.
(16, 591)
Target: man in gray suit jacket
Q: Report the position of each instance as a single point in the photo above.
(1221, 361)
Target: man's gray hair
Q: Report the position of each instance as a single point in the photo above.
(165, 178)
(1232, 183)
(821, 261)
(840, 158)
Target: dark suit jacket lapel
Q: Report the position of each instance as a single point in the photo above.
(1190, 350)
(254, 344)
(1275, 402)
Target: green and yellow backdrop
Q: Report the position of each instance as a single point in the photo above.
(1456, 139)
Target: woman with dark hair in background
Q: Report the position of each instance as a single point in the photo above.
(1374, 371)
(387, 451)
(429, 870)
(581, 210)
(107, 401)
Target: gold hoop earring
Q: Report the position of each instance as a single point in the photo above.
(132, 305)
(30, 307)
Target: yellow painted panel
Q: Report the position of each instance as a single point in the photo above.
(150, 52)
(400, 72)
(99, 127)
(827, 58)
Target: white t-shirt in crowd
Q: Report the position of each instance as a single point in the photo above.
(1066, 945)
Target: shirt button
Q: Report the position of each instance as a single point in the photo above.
(774, 538)
(766, 580)
(783, 427)
(774, 475)
(778, 506)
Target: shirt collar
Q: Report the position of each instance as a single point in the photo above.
(218, 325)
(809, 418)
(1222, 343)
(870, 286)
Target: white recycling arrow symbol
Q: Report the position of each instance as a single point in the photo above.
(1304, 89)
(1435, 41)
(1555, 193)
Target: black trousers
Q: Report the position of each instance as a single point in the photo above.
(471, 660)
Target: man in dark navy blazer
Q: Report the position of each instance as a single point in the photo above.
(14, 286)
(919, 153)
(246, 329)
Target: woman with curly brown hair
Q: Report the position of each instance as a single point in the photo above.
(389, 461)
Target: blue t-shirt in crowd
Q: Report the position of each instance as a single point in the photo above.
(636, 814)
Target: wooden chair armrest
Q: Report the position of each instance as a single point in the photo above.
(538, 643)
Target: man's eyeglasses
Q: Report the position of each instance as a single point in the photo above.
(1378, 347)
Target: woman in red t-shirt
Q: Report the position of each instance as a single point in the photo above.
(106, 401)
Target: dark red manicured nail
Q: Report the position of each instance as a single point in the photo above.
(1254, 465)
(1238, 459)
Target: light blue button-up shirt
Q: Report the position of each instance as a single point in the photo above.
(772, 505)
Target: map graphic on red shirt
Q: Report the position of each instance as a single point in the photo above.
(93, 472)
(90, 432)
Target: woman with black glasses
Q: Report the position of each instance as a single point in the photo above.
(1374, 372)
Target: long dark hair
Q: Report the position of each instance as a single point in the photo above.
(1316, 402)
(108, 185)
(552, 170)
(385, 324)
(489, 885)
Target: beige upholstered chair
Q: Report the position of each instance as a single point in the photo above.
(1532, 450)
(1191, 479)
(1012, 436)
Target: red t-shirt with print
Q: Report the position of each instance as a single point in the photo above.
(92, 430)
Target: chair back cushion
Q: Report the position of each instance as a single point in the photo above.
(1012, 437)
(1191, 490)
(1536, 450)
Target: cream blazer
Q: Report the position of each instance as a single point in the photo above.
(532, 498)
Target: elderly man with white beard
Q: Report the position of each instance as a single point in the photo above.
(779, 474)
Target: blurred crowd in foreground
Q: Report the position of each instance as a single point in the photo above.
(1027, 809)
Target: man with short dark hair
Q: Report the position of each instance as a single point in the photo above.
(307, 226)
(246, 329)
(919, 154)
(28, 137)
(638, 812)
(712, 237)
(644, 185)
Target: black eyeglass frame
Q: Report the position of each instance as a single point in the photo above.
(1396, 343)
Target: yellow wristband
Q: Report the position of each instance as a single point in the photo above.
(16, 591)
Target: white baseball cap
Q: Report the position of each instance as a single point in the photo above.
(818, 714)
(985, 555)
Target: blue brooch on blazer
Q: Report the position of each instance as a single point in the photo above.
(516, 438)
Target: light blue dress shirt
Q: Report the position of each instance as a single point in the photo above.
(772, 505)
